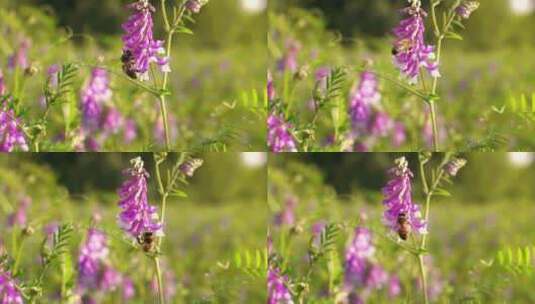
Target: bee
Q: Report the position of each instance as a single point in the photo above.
(404, 226)
(404, 46)
(147, 241)
(128, 61)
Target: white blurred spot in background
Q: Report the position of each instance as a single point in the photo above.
(254, 159)
(522, 7)
(254, 6)
(521, 159)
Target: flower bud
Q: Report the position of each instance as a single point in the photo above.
(453, 167)
(195, 6)
(466, 8)
(189, 167)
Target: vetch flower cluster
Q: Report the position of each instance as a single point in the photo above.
(362, 274)
(280, 139)
(11, 134)
(20, 57)
(91, 259)
(195, 6)
(137, 216)
(368, 120)
(9, 293)
(278, 292)
(93, 98)
(398, 200)
(410, 51)
(18, 217)
(140, 49)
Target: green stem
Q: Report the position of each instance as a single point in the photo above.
(160, 280)
(423, 277)
(434, 124)
(19, 255)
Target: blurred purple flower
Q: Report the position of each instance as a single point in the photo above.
(130, 131)
(398, 199)
(110, 279)
(356, 258)
(278, 293)
(9, 293)
(20, 57)
(139, 42)
(394, 286)
(129, 290)
(377, 277)
(399, 136)
(287, 215)
(280, 138)
(410, 51)
(18, 217)
(112, 121)
(90, 261)
(363, 97)
(3, 89)
(137, 215)
(11, 134)
(270, 87)
(380, 125)
(94, 95)
(289, 61)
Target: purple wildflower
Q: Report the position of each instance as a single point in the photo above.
(130, 131)
(20, 57)
(110, 279)
(112, 121)
(129, 290)
(137, 216)
(94, 95)
(270, 87)
(357, 257)
(90, 262)
(287, 215)
(278, 292)
(466, 8)
(139, 42)
(3, 89)
(280, 139)
(9, 293)
(289, 61)
(398, 199)
(19, 216)
(394, 286)
(399, 135)
(380, 124)
(410, 51)
(11, 135)
(363, 97)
